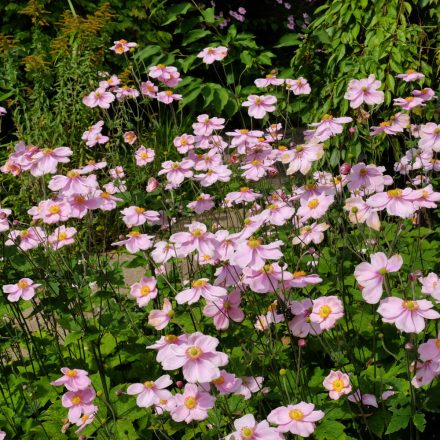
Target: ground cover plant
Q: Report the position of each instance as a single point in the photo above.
(287, 278)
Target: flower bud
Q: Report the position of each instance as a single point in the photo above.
(302, 342)
(152, 185)
(179, 384)
(344, 169)
(283, 372)
(414, 276)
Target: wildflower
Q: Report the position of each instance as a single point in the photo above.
(152, 185)
(198, 357)
(430, 137)
(371, 275)
(425, 197)
(301, 325)
(93, 135)
(254, 253)
(166, 74)
(3, 111)
(431, 285)
(78, 402)
(410, 75)
(300, 279)
(197, 238)
(265, 280)
(73, 183)
(430, 350)
(61, 236)
(199, 288)
(203, 203)
(408, 103)
(87, 418)
(144, 156)
(164, 251)
(299, 419)
(247, 428)
(396, 201)
(365, 399)
(360, 212)
(144, 291)
(426, 372)
(425, 94)
(130, 137)
(110, 82)
(47, 160)
(314, 207)
(184, 143)
(298, 86)
(408, 315)
(176, 172)
(149, 89)
(301, 157)
(136, 216)
(73, 379)
(211, 54)
(99, 98)
(364, 90)
(206, 125)
(337, 383)
(326, 311)
(159, 319)
(270, 80)
(329, 126)
(168, 96)
(367, 177)
(260, 105)
(23, 289)
(122, 46)
(27, 238)
(219, 173)
(313, 233)
(4, 223)
(151, 392)
(193, 404)
(226, 383)
(244, 195)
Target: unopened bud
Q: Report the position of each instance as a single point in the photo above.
(302, 342)
(344, 169)
(179, 384)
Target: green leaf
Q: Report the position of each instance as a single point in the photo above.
(195, 35)
(323, 36)
(72, 337)
(108, 344)
(191, 96)
(246, 58)
(221, 97)
(399, 420)
(208, 15)
(330, 430)
(378, 422)
(288, 40)
(419, 422)
(148, 52)
(175, 11)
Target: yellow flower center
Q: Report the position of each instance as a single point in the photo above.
(199, 283)
(247, 433)
(79, 199)
(197, 232)
(409, 99)
(62, 236)
(324, 311)
(22, 284)
(54, 209)
(190, 402)
(244, 131)
(313, 203)
(410, 305)
(145, 290)
(244, 189)
(219, 380)
(72, 174)
(104, 195)
(149, 384)
(411, 71)
(256, 162)
(326, 117)
(46, 150)
(383, 271)
(72, 373)
(364, 88)
(363, 172)
(170, 338)
(338, 385)
(139, 210)
(395, 193)
(161, 66)
(254, 242)
(194, 352)
(134, 234)
(296, 414)
(385, 124)
(25, 233)
(76, 400)
(226, 305)
(299, 273)
(168, 92)
(437, 343)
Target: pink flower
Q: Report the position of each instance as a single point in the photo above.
(24, 289)
(193, 404)
(426, 372)
(73, 380)
(93, 135)
(301, 325)
(337, 383)
(136, 216)
(176, 172)
(365, 399)
(54, 212)
(61, 236)
(200, 288)
(364, 90)
(204, 202)
(248, 429)
(430, 350)
(298, 86)
(301, 157)
(314, 207)
(367, 177)
(152, 185)
(425, 94)
(360, 212)
(47, 160)
(151, 392)
(410, 75)
(99, 98)
(219, 173)
(4, 223)
(299, 419)
(425, 197)
(211, 54)
(122, 46)
(135, 242)
(184, 143)
(313, 233)
(78, 402)
(164, 251)
(198, 357)
(329, 126)
(73, 183)
(197, 238)
(87, 418)
(206, 125)
(244, 195)
(266, 280)
(300, 279)
(2, 113)
(256, 169)
(326, 311)
(144, 156)
(270, 80)
(224, 309)
(409, 102)
(395, 201)
(130, 137)
(431, 285)
(226, 383)
(27, 238)
(168, 96)
(167, 74)
(149, 89)
(253, 253)
(159, 319)
(260, 105)
(430, 137)
(408, 315)
(396, 124)
(371, 276)
(110, 82)
(144, 291)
